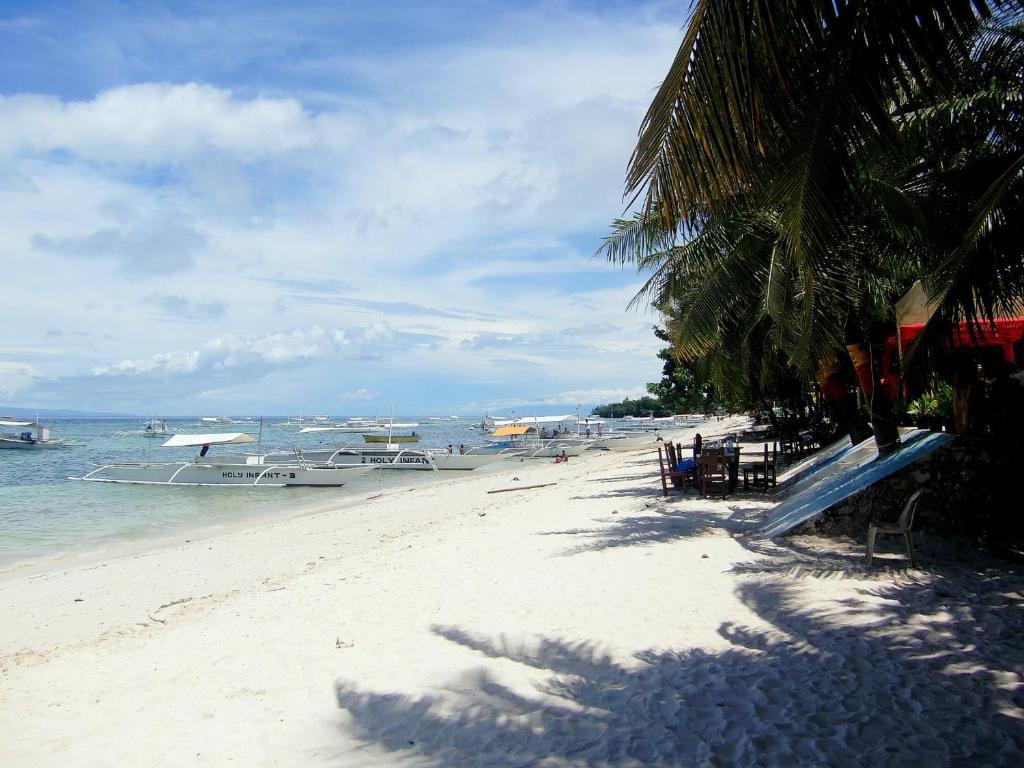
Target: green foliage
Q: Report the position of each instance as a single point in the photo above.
(682, 388)
(936, 404)
(805, 161)
(644, 406)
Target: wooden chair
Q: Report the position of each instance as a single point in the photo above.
(901, 528)
(713, 471)
(763, 474)
(690, 478)
(668, 461)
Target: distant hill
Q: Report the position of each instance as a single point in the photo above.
(60, 413)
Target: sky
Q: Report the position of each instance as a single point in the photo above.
(234, 208)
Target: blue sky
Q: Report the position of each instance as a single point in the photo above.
(244, 207)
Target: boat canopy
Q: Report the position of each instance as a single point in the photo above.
(534, 420)
(223, 438)
(506, 431)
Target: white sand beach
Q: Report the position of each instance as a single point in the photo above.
(586, 623)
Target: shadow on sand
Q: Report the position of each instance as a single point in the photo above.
(661, 522)
(912, 674)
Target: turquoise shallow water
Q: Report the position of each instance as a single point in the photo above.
(43, 513)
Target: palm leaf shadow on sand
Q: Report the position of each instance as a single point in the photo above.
(902, 680)
(825, 558)
(661, 523)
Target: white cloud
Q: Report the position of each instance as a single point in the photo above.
(595, 395)
(14, 376)
(439, 204)
(244, 352)
(152, 123)
(359, 394)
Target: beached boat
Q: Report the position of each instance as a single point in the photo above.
(229, 470)
(383, 456)
(625, 441)
(31, 435)
(531, 444)
(469, 460)
(394, 456)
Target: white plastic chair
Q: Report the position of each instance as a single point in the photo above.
(902, 528)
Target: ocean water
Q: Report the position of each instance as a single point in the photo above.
(43, 513)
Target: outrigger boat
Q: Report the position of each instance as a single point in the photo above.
(155, 428)
(529, 445)
(230, 470)
(36, 436)
(360, 425)
(395, 456)
(213, 421)
(382, 456)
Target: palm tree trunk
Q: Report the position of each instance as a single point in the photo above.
(866, 359)
(966, 393)
(841, 402)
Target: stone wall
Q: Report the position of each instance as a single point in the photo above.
(971, 489)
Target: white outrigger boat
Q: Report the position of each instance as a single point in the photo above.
(361, 425)
(155, 428)
(395, 456)
(529, 444)
(35, 436)
(231, 470)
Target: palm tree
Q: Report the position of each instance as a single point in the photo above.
(766, 153)
(971, 182)
(732, 299)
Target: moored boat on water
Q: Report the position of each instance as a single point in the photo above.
(155, 428)
(36, 436)
(252, 470)
(213, 421)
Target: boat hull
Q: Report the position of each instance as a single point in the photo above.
(544, 450)
(468, 461)
(624, 442)
(31, 445)
(401, 459)
(226, 474)
(356, 457)
(391, 438)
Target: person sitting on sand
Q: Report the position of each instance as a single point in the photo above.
(561, 458)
